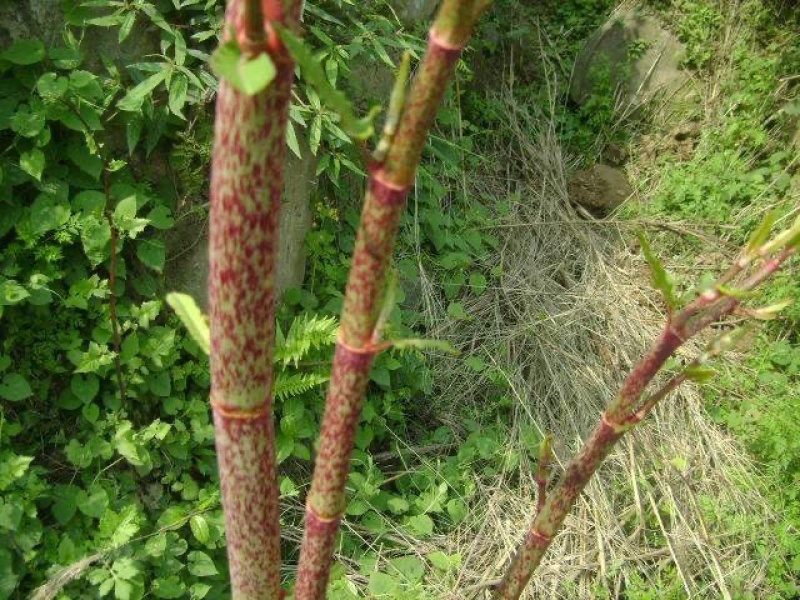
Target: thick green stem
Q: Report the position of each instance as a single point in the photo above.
(380, 219)
(623, 413)
(246, 187)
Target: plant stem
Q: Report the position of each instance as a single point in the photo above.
(358, 339)
(622, 414)
(246, 187)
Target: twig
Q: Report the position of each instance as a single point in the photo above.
(112, 280)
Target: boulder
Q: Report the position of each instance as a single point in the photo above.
(599, 189)
(636, 52)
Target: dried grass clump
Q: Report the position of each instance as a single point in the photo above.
(568, 318)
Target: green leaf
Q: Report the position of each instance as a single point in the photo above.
(249, 76)
(382, 585)
(699, 373)
(136, 96)
(12, 467)
(419, 344)
(96, 238)
(125, 217)
(421, 525)
(127, 25)
(161, 218)
(192, 318)
(444, 562)
(178, 88)
(64, 508)
(51, 86)
(152, 253)
(457, 509)
(85, 388)
(200, 529)
(313, 72)
(24, 52)
(15, 388)
(171, 587)
(93, 504)
(201, 565)
(660, 279)
(12, 293)
(410, 568)
(32, 163)
(761, 234)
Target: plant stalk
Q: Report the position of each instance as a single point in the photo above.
(626, 411)
(357, 345)
(246, 187)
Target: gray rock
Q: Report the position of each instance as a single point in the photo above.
(411, 12)
(600, 188)
(636, 52)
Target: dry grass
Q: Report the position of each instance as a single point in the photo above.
(569, 316)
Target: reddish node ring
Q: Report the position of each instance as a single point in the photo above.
(437, 42)
(387, 193)
(317, 524)
(537, 538)
(238, 414)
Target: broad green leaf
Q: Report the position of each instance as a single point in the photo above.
(51, 86)
(24, 52)
(64, 508)
(96, 238)
(660, 279)
(32, 163)
(201, 565)
(421, 525)
(85, 388)
(12, 467)
(161, 218)
(15, 387)
(249, 76)
(152, 253)
(457, 509)
(12, 293)
(409, 568)
(136, 96)
(313, 72)
(92, 504)
(170, 587)
(382, 585)
(125, 217)
(444, 562)
(48, 214)
(192, 318)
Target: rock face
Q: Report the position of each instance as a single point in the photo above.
(411, 12)
(600, 188)
(187, 244)
(636, 52)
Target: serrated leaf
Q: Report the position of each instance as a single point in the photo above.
(247, 75)
(335, 100)
(192, 318)
(660, 279)
(178, 88)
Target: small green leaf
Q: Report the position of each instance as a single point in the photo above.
(32, 163)
(761, 234)
(382, 585)
(660, 279)
(15, 388)
(409, 568)
(127, 25)
(24, 52)
(171, 587)
(420, 344)
(94, 504)
(192, 318)
(444, 562)
(699, 373)
(249, 76)
(361, 129)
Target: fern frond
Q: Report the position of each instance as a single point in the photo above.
(290, 385)
(307, 332)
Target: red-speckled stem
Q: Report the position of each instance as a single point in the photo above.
(246, 186)
(380, 219)
(626, 411)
